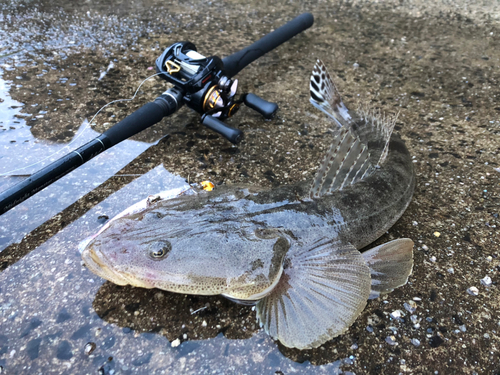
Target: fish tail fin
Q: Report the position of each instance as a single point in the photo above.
(326, 97)
(390, 265)
(322, 290)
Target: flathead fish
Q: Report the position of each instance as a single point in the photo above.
(294, 251)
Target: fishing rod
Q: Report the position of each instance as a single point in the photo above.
(204, 84)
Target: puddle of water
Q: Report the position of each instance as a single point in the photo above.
(22, 154)
(28, 155)
(13, 128)
(36, 210)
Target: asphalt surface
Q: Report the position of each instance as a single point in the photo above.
(436, 65)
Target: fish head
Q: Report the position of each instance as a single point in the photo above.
(189, 251)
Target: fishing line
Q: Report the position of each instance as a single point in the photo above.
(9, 174)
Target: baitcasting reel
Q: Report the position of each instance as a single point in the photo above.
(204, 84)
(205, 88)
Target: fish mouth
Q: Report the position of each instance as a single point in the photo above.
(97, 263)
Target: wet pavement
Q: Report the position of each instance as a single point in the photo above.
(434, 64)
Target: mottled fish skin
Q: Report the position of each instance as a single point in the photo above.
(234, 238)
(293, 250)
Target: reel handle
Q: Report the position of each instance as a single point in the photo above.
(231, 134)
(265, 108)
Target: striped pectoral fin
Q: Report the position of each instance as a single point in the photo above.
(390, 265)
(322, 290)
(346, 162)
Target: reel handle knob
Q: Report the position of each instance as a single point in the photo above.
(231, 134)
(265, 108)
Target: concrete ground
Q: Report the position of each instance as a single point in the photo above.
(436, 64)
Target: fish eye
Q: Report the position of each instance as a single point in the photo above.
(159, 249)
(158, 254)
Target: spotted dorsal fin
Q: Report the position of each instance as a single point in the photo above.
(346, 162)
(360, 145)
(326, 97)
